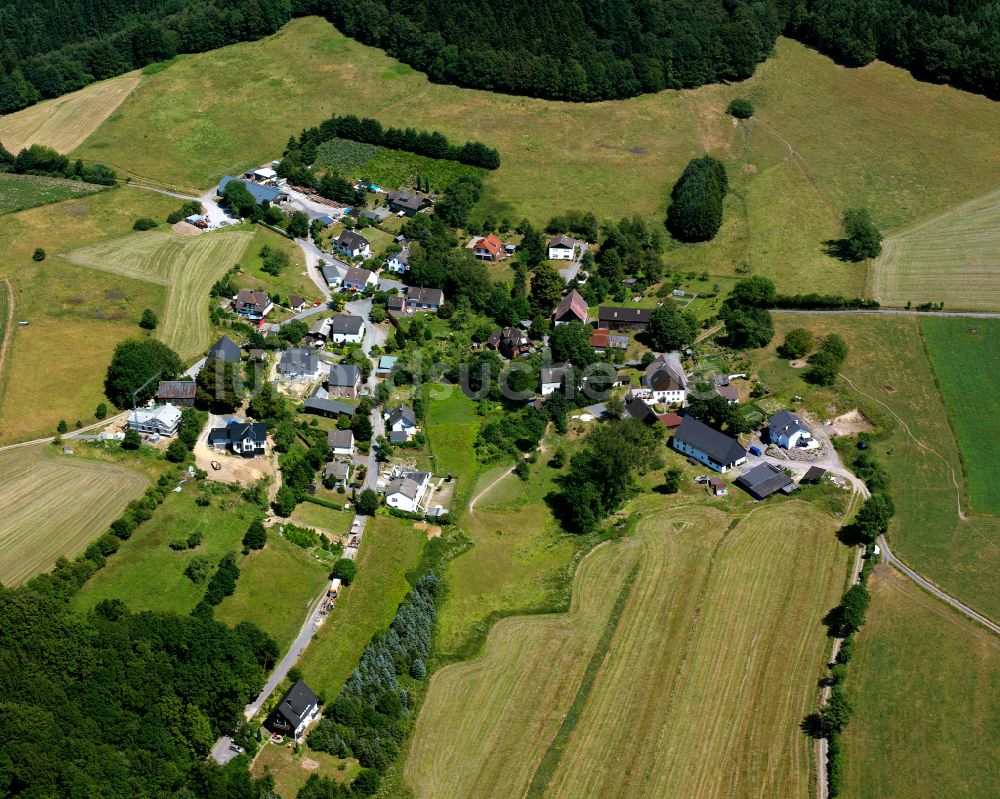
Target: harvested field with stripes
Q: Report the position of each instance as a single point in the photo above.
(187, 266)
(64, 122)
(952, 258)
(686, 677)
(55, 505)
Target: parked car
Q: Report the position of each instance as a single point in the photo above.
(234, 747)
(755, 450)
(216, 465)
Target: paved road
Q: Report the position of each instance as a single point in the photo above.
(891, 312)
(928, 586)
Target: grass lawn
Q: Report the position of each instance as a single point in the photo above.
(390, 547)
(451, 429)
(148, 575)
(965, 355)
(925, 687)
(920, 452)
(67, 303)
(18, 192)
(292, 280)
(640, 690)
(277, 585)
(291, 770)
(337, 522)
(64, 122)
(55, 505)
(186, 265)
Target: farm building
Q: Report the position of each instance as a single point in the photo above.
(260, 193)
(295, 711)
(718, 486)
(603, 339)
(814, 475)
(765, 479)
(177, 392)
(572, 308)
(615, 318)
(327, 407)
(707, 445)
(159, 420)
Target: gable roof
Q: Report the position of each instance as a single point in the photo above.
(252, 299)
(297, 702)
(340, 469)
(424, 296)
(331, 274)
(405, 199)
(403, 413)
(298, 359)
(406, 486)
(573, 303)
(662, 378)
(340, 439)
(763, 480)
(813, 475)
(614, 313)
(225, 349)
(786, 422)
(490, 242)
(357, 275)
(555, 373)
(238, 431)
(396, 303)
(260, 193)
(562, 242)
(352, 240)
(344, 375)
(176, 389)
(327, 406)
(294, 300)
(640, 411)
(344, 324)
(716, 445)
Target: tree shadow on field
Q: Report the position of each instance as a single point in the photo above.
(839, 249)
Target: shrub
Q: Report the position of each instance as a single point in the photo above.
(148, 320)
(144, 223)
(862, 238)
(741, 108)
(62, 427)
(522, 470)
(255, 536)
(798, 343)
(176, 451)
(38, 254)
(198, 569)
(132, 440)
(101, 412)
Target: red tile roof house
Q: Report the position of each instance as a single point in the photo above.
(572, 308)
(487, 248)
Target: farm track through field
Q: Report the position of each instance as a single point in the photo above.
(8, 323)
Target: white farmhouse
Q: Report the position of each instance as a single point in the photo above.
(787, 431)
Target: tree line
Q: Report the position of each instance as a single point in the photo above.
(431, 144)
(40, 160)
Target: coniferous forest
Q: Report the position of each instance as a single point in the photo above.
(560, 49)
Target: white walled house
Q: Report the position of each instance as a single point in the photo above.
(353, 245)
(344, 329)
(562, 248)
(708, 446)
(400, 262)
(161, 420)
(405, 491)
(341, 442)
(663, 382)
(787, 431)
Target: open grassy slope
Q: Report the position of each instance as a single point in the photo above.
(64, 122)
(716, 615)
(55, 505)
(18, 192)
(925, 686)
(952, 258)
(186, 265)
(962, 555)
(45, 378)
(964, 355)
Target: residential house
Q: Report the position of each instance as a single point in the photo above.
(226, 350)
(424, 299)
(396, 304)
(296, 303)
(248, 439)
(401, 420)
(636, 409)
(325, 220)
(765, 479)
(341, 442)
(406, 489)
(616, 318)
(346, 329)
(358, 279)
(663, 381)
(260, 193)
(486, 248)
(553, 376)
(509, 342)
(177, 392)
(295, 711)
(603, 340)
(406, 202)
(254, 305)
(332, 275)
(400, 262)
(352, 244)
(161, 420)
(321, 406)
(298, 363)
(787, 431)
(709, 446)
(344, 380)
(337, 474)
(728, 392)
(572, 308)
(562, 248)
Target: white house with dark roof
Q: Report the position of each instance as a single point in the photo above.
(663, 381)
(708, 445)
(345, 329)
(344, 380)
(358, 279)
(295, 711)
(161, 420)
(406, 489)
(562, 248)
(552, 377)
(248, 439)
(401, 420)
(299, 363)
(400, 262)
(787, 430)
(352, 244)
(424, 299)
(254, 305)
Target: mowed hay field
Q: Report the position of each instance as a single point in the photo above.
(953, 258)
(186, 265)
(64, 122)
(710, 666)
(55, 505)
(925, 687)
(961, 555)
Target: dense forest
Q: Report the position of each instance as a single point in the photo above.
(560, 49)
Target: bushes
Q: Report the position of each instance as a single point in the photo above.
(797, 344)
(825, 364)
(255, 536)
(823, 302)
(861, 238)
(695, 212)
(741, 108)
(223, 582)
(748, 322)
(144, 223)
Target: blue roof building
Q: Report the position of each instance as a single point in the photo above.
(259, 192)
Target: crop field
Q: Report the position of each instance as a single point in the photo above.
(64, 302)
(64, 122)
(644, 685)
(952, 258)
(389, 168)
(925, 687)
(390, 547)
(55, 505)
(961, 555)
(18, 192)
(964, 354)
(187, 266)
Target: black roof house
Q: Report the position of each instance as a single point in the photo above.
(225, 349)
(294, 711)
